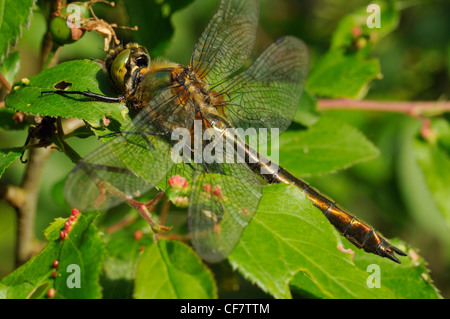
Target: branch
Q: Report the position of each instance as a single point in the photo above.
(415, 109)
(13, 195)
(26, 207)
(24, 198)
(5, 83)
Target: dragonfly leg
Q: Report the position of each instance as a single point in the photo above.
(92, 95)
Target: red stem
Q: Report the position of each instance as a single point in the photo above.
(415, 108)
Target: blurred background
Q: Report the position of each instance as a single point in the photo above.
(392, 192)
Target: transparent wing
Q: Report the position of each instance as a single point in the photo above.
(227, 41)
(224, 198)
(267, 94)
(129, 164)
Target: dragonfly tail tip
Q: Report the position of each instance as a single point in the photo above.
(393, 258)
(398, 251)
(389, 251)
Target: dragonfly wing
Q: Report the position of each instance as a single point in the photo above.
(129, 164)
(227, 41)
(113, 167)
(267, 94)
(223, 200)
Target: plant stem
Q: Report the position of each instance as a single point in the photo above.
(26, 210)
(414, 108)
(128, 220)
(164, 211)
(23, 199)
(5, 83)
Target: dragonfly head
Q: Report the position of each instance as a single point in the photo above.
(125, 65)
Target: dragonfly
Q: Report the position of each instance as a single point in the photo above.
(222, 92)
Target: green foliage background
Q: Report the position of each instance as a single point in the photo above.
(401, 184)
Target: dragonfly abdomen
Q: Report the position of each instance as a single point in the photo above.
(358, 233)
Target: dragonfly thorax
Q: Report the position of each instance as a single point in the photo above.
(192, 89)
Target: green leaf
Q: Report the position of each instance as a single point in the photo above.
(307, 114)
(123, 253)
(51, 233)
(290, 244)
(83, 247)
(7, 156)
(435, 165)
(353, 27)
(81, 75)
(325, 147)
(305, 287)
(57, 192)
(10, 67)
(410, 280)
(342, 76)
(287, 235)
(414, 187)
(14, 14)
(170, 269)
(441, 127)
(154, 21)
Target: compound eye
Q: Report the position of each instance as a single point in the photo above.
(142, 61)
(119, 68)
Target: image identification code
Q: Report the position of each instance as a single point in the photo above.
(231, 308)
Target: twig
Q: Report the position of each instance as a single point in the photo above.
(24, 198)
(164, 211)
(25, 205)
(128, 220)
(415, 108)
(13, 195)
(150, 207)
(183, 238)
(5, 83)
(145, 208)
